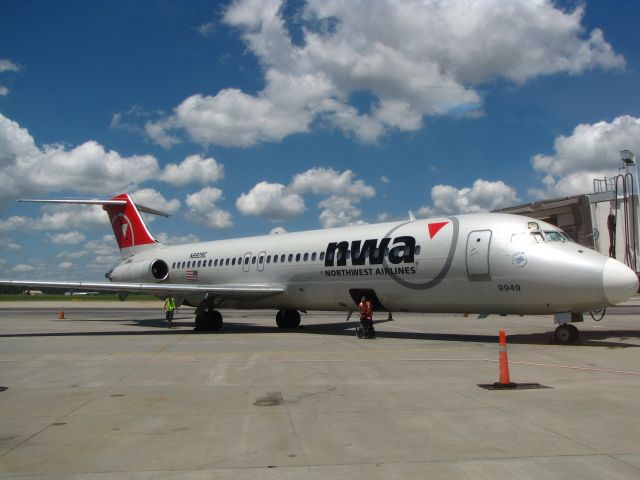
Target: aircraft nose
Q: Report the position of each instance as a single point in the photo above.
(618, 281)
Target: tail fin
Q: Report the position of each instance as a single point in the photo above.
(130, 230)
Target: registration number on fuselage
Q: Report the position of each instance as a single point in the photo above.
(508, 287)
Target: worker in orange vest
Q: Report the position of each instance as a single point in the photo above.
(366, 316)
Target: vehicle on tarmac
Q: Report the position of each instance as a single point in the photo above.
(485, 263)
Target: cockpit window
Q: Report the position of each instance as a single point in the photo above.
(539, 237)
(552, 236)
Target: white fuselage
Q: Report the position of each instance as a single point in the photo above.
(480, 263)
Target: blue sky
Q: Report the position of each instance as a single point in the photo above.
(244, 117)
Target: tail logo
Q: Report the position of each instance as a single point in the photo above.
(121, 225)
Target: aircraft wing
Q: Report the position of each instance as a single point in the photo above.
(223, 290)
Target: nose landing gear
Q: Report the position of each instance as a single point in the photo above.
(566, 334)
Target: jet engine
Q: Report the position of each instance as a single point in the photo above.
(146, 271)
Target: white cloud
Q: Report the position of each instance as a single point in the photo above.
(277, 231)
(591, 151)
(66, 265)
(8, 244)
(416, 58)
(202, 208)
(23, 268)
(67, 238)
(483, 196)
(206, 29)
(327, 181)
(193, 169)
(344, 190)
(8, 66)
(151, 198)
(339, 211)
(168, 239)
(272, 200)
(4, 91)
(87, 168)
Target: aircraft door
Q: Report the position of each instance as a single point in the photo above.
(261, 256)
(478, 243)
(246, 262)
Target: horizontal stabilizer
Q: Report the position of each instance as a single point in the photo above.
(142, 208)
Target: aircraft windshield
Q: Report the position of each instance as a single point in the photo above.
(540, 237)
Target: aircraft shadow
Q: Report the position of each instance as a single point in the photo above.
(182, 325)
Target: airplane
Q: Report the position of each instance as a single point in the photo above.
(483, 263)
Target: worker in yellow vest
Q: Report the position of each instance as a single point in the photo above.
(169, 308)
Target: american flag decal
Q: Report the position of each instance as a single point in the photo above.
(191, 275)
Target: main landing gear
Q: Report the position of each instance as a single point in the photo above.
(208, 320)
(288, 318)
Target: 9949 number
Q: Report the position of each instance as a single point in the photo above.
(508, 287)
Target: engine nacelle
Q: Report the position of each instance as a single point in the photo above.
(147, 271)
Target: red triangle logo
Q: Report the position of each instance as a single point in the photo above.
(435, 228)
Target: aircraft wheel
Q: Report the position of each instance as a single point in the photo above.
(288, 318)
(575, 333)
(210, 320)
(565, 334)
(214, 320)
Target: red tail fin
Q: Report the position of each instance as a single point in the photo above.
(128, 226)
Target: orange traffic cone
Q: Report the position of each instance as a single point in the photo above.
(504, 361)
(61, 316)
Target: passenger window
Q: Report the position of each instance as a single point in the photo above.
(199, 263)
(261, 260)
(418, 249)
(321, 256)
(282, 258)
(290, 257)
(233, 261)
(173, 265)
(227, 261)
(246, 260)
(253, 261)
(189, 264)
(268, 258)
(210, 261)
(182, 264)
(306, 257)
(313, 257)
(297, 257)
(275, 259)
(215, 263)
